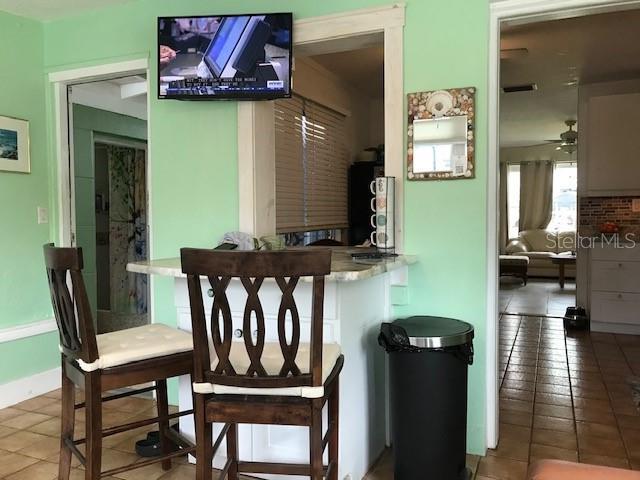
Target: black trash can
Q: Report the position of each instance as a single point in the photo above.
(428, 362)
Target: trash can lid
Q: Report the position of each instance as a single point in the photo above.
(436, 332)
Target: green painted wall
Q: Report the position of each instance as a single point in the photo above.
(445, 222)
(193, 150)
(24, 296)
(87, 122)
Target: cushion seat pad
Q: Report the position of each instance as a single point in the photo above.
(272, 361)
(136, 344)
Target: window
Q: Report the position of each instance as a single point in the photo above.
(431, 157)
(311, 167)
(513, 199)
(565, 197)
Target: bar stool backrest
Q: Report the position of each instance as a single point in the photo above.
(251, 269)
(70, 303)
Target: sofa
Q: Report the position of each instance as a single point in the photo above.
(540, 246)
(560, 470)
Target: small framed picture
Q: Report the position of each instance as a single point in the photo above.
(14, 145)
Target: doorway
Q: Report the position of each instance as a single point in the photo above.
(511, 15)
(109, 195)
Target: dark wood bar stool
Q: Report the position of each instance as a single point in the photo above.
(258, 382)
(100, 363)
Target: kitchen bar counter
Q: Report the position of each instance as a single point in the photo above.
(343, 267)
(357, 299)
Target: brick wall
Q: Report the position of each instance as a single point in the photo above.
(594, 211)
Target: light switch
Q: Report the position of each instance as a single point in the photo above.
(635, 205)
(43, 215)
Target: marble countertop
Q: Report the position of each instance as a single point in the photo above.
(343, 267)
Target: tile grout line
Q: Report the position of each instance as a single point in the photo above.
(573, 404)
(615, 416)
(535, 390)
(509, 359)
(609, 398)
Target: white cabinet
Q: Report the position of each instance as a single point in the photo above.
(615, 289)
(616, 309)
(620, 276)
(608, 142)
(613, 145)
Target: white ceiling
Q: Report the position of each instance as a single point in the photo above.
(362, 68)
(127, 95)
(51, 9)
(585, 49)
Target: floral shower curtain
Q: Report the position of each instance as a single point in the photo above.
(127, 228)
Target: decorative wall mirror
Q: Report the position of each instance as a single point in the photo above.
(441, 140)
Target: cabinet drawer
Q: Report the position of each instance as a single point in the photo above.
(615, 276)
(615, 308)
(611, 254)
(329, 334)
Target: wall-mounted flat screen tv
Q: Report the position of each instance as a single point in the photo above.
(245, 57)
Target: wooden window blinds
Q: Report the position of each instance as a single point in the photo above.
(311, 166)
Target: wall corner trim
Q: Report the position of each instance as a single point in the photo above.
(19, 332)
(26, 388)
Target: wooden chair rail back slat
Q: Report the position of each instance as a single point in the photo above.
(70, 306)
(251, 269)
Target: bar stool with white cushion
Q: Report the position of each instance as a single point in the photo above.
(100, 363)
(253, 381)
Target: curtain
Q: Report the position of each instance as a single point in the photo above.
(503, 209)
(127, 228)
(536, 195)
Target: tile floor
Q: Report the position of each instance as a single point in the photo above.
(29, 443)
(29, 440)
(383, 469)
(561, 396)
(539, 297)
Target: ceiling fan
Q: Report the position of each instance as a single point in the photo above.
(568, 141)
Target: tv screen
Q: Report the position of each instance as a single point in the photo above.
(225, 57)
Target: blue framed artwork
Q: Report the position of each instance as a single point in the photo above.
(14, 145)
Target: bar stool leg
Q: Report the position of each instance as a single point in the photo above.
(204, 440)
(315, 440)
(93, 401)
(163, 425)
(66, 424)
(334, 415)
(232, 451)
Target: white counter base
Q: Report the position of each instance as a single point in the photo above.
(357, 299)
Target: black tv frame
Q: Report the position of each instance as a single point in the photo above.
(251, 97)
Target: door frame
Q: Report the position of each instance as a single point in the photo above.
(106, 139)
(514, 12)
(59, 81)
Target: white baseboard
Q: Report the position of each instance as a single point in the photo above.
(620, 328)
(29, 330)
(25, 388)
